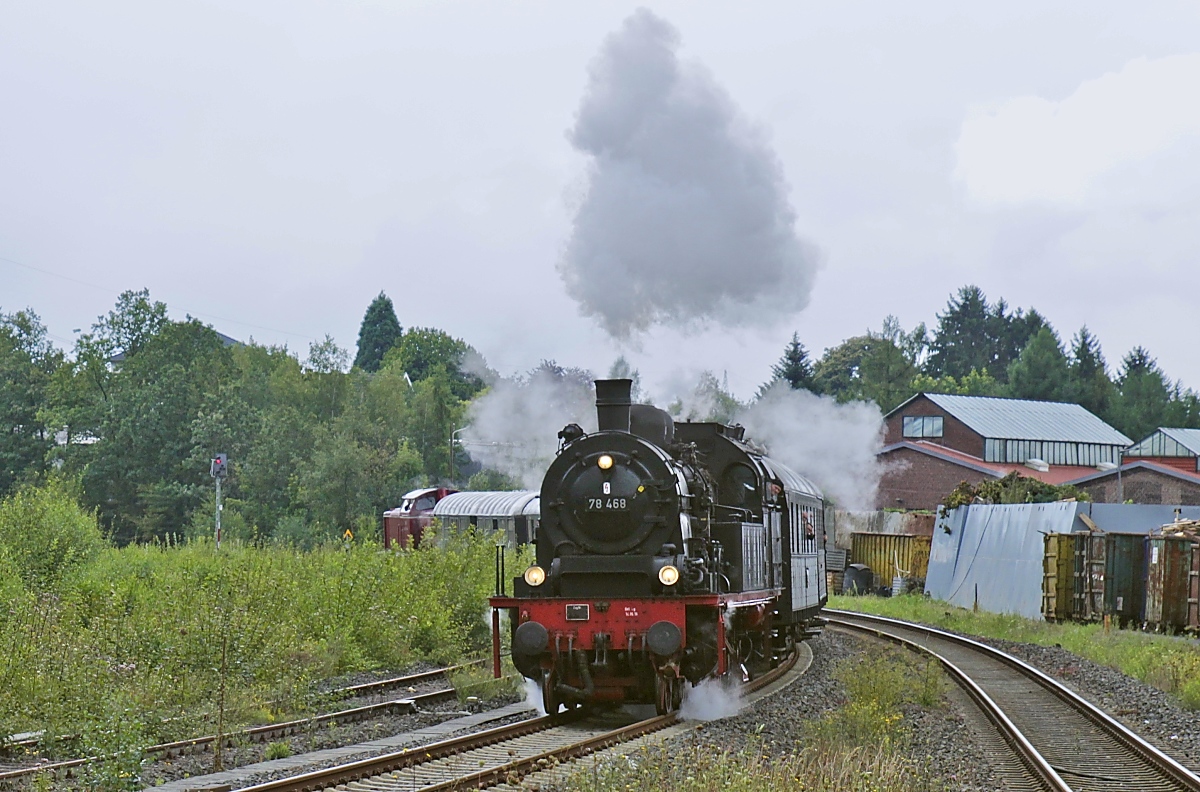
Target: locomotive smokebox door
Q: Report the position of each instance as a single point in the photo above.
(578, 612)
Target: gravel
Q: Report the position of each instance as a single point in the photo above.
(318, 738)
(943, 739)
(1153, 714)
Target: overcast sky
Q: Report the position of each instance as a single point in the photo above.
(271, 167)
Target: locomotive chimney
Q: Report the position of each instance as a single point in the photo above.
(612, 404)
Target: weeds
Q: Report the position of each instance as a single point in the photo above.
(1169, 663)
(477, 680)
(277, 750)
(170, 631)
(860, 747)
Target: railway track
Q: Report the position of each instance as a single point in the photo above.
(16, 772)
(496, 756)
(1062, 742)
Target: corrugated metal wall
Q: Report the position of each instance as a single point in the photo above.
(890, 556)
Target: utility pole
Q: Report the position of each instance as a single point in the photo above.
(219, 470)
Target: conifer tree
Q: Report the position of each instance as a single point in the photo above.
(1040, 372)
(794, 367)
(379, 332)
(1089, 383)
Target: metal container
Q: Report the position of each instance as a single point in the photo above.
(1090, 565)
(1058, 577)
(1125, 577)
(1169, 562)
(891, 556)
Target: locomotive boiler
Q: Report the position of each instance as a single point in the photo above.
(667, 552)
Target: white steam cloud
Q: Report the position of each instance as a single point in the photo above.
(832, 444)
(686, 218)
(710, 700)
(514, 426)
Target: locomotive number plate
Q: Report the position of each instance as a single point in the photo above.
(578, 612)
(608, 504)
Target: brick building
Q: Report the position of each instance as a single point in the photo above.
(935, 441)
(1142, 481)
(1162, 468)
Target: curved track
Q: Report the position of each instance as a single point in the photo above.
(18, 772)
(1064, 742)
(495, 756)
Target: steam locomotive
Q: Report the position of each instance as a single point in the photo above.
(667, 552)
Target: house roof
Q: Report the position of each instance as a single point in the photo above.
(1139, 464)
(1057, 474)
(1022, 419)
(1189, 439)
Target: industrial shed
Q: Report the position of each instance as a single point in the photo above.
(516, 513)
(1175, 448)
(934, 441)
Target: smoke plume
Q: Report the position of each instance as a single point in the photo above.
(514, 426)
(686, 219)
(832, 444)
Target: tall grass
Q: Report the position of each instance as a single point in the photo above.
(1169, 663)
(142, 644)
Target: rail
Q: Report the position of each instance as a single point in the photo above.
(455, 764)
(1105, 754)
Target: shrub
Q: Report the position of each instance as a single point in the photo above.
(10, 577)
(46, 533)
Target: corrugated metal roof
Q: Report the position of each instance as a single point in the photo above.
(485, 504)
(791, 479)
(1188, 438)
(1020, 419)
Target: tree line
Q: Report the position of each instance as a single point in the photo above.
(321, 444)
(980, 348)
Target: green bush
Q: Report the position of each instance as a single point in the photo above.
(46, 533)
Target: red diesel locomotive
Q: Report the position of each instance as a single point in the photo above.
(666, 552)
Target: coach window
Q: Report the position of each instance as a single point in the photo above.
(922, 426)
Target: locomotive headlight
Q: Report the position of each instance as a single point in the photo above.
(604, 462)
(535, 576)
(668, 575)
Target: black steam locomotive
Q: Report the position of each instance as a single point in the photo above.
(666, 552)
